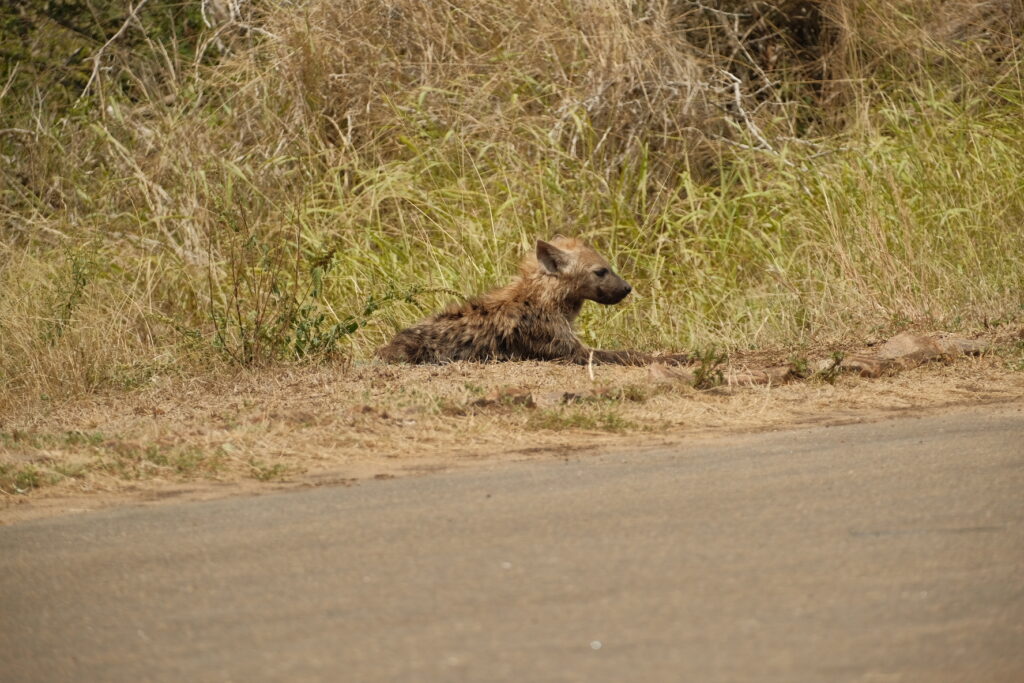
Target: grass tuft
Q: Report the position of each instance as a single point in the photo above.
(574, 419)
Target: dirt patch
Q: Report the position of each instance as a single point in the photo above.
(280, 429)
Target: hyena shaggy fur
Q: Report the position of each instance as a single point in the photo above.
(531, 318)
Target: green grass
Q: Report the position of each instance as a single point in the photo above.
(20, 479)
(571, 418)
(1014, 355)
(302, 192)
(19, 439)
(264, 472)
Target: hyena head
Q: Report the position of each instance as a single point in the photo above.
(580, 271)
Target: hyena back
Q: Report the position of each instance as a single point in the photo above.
(531, 318)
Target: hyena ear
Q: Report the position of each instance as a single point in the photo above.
(551, 258)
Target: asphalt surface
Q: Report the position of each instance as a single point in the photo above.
(891, 551)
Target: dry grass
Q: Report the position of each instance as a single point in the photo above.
(297, 187)
(309, 425)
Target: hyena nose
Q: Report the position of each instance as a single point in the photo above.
(628, 288)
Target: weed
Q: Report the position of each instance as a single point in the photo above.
(801, 366)
(78, 438)
(710, 373)
(136, 461)
(1014, 355)
(19, 479)
(191, 462)
(633, 393)
(264, 472)
(557, 420)
(70, 291)
(133, 375)
(71, 470)
(21, 440)
(268, 303)
(18, 437)
(442, 405)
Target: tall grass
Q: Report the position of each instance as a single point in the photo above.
(301, 183)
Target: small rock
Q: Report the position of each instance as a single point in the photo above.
(823, 365)
(953, 346)
(865, 366)
(910, 350)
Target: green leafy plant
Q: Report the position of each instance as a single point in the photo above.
(710, 372)
(19, 479)
(69, 293)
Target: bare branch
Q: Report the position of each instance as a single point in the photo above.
(133, 13)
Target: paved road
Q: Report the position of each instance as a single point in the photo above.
(878, 552)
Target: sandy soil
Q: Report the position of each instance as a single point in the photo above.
(262, 431)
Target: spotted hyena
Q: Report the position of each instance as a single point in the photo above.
(531, 318)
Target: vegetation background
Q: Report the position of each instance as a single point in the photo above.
(186, 184)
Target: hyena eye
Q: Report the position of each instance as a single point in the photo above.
(601, 272)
